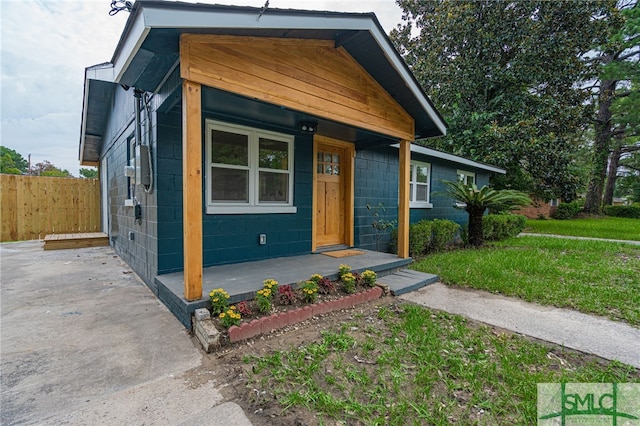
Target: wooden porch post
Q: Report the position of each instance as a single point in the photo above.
(192, 188)
(403, 204)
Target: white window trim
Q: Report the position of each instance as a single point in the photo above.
(465, 173)
(414, 170)
(253, 206)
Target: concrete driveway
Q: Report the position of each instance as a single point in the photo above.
(83, 341)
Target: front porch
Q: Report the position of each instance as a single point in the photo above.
(242, 280)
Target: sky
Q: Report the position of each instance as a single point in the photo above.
(45, 45)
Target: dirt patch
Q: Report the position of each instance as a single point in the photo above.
(227, 369)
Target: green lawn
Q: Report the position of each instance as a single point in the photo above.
(617, 228)
(590, 276)
(408, 365)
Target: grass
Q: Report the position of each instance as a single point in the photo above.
(411, 365)
(591, 276)
(617, 228)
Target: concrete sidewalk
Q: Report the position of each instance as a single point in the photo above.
(595, 335)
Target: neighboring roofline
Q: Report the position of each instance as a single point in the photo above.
(453, 158)
(189, 15)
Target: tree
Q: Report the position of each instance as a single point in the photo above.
(89, 173)
(504, 75)
(617, 100)
(477, 201)
(45, 168)
(12, 162)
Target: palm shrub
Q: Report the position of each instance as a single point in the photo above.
(476, 201)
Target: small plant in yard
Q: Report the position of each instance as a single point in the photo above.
(243, 308)
(272, 285)
(348, 282)
(219, 300)
(316, 278)
(326, 286)
(309, 291)
(369, 277)
(286, 295)
(263, 300)
(230, 317)
(344, 269)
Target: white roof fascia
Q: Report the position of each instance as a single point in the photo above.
(83, 128)
(100, 72)
(393, 57)
(176, 18)
(130, 46)
(453, 158)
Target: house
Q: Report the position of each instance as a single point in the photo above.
(228, 134)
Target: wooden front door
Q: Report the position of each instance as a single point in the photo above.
(333, 192)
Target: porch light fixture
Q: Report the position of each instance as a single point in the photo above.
(307, 126)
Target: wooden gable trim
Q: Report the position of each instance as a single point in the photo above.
(312, 76)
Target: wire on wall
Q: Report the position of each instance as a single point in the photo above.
(119, 5)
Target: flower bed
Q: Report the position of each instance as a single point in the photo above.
(276, 306)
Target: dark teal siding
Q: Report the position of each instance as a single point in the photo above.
(230, 238)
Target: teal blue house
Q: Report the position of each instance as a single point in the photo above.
(230, 134)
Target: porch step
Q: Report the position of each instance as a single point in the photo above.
(406, 280)
(78, 240)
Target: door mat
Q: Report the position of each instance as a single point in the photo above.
(343, 253)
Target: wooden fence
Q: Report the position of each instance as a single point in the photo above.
(33, 206)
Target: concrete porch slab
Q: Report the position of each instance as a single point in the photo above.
(242, 280)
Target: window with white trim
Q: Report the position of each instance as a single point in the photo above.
(420, 185)
(467, 177)
(248, 170)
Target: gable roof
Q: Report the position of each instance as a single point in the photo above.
(148, 50)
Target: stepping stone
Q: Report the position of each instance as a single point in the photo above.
(406, 280)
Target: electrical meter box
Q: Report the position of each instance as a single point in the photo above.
(142, 165)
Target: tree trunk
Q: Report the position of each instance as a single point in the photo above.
(476, 236)
(614, 160)
(601, 146)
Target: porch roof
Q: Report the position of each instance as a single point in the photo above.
(148, 51)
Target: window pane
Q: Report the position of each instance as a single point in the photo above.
(421, 192)
(320, 169)
(274, 154)
(274, 187)
(336, 158)
(229, 148)
(470, 180)
(336, 170)
(229, 185)
(422, 174)
(411, 192)
(327, 157)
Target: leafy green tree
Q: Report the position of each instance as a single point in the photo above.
(505, 77)
(617, 115)
(12, 162)
(89, 173)
(45, 168)
(477, 201)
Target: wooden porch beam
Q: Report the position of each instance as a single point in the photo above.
(192, 188)
(403, 204)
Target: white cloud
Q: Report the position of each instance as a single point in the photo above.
(46, 45)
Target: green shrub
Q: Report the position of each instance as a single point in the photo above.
(567, 210)
(496, 227)
(427, 235)
(623, 211)
(443, 233)
(419, 237)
